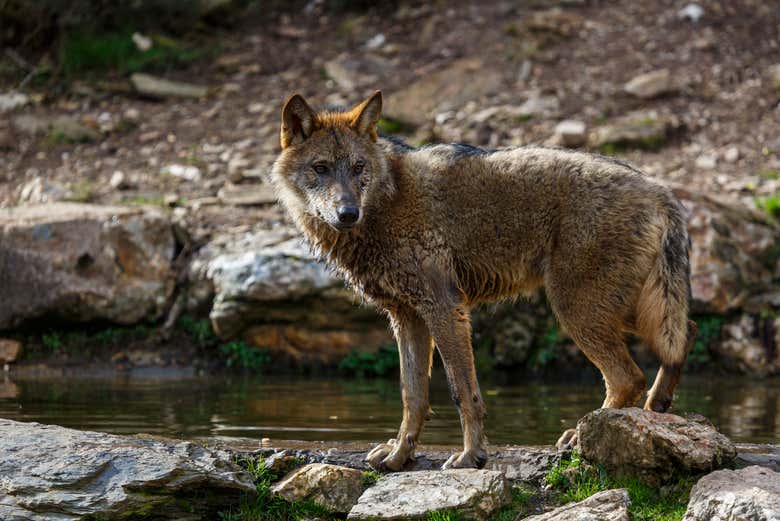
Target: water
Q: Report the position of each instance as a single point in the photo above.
(525, 411)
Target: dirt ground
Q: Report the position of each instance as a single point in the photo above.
(581, 55)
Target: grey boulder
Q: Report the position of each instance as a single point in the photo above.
(51, 473)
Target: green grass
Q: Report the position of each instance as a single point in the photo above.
(391, 126)
(576, 480)
(82, 342)
(85, 52)
(239, 354)
(199, 330)
(381, 363)
(521, 497)
(444, 515)
(236, 354)
(370, 477)
(266, 507)
(769, 174)
(770, 205)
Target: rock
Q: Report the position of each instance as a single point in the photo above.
(41, 191)
(12, 100)
(70, 130)
(650, 84)
(706, 161)
(556, 21)
(270, 290)
(154, 87)
(333, 487)
(571, 133)
(528, 465)
(731, 155)
(142, 43)
(774, 76)
(246, 194)
(469, 493)
(350, 72)
(733, 253)
(649, 445)
(636, 129)
(538, 105)
(187, 172)
(767, 456)
(9, 350)
(119, 181)
(609, 505)
(81, 262)
(376, 42)
(282, 462)
(50, 472)
(30, 124)
(61, 129)
(446, 89)
(741, 348)
(736, 495)
(692, 12)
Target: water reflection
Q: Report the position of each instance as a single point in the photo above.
(292, 407)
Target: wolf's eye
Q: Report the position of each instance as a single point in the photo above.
(358, 168)
(320, 169)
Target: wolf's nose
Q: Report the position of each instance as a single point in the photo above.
(348, 214)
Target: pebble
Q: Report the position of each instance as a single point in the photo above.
(706, 161)
(692, 12)
(731, 155)
(186, 172)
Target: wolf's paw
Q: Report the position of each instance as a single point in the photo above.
(471, 459)
(390, 456)
(568, 440)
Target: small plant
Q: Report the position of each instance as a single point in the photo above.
(362, 364)
(52, 341)
(240, 354)
(199, 329)
(770, 205)
(521, 497)
(709, 331)
(370, 477)
(443, 515)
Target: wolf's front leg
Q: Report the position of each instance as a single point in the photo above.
(416, 350)
(451, 330)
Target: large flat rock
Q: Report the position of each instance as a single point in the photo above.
(51, 473)
(470, 493)
(752, 493)
(82, 262)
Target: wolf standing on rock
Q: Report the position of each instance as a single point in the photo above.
(428, 233)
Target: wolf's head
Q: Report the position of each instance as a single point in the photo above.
(331, 167)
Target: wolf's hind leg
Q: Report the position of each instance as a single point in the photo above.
(660, 397)
(416, 351)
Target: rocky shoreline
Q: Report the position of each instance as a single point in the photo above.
(78, 264)
(53, 473)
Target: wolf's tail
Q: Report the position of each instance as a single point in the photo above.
(662, 312)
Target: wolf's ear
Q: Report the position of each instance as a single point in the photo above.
(297, 121)
(367, 114)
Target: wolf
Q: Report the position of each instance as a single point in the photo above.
(427, 233)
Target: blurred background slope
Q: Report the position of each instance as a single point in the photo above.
(170, 110)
